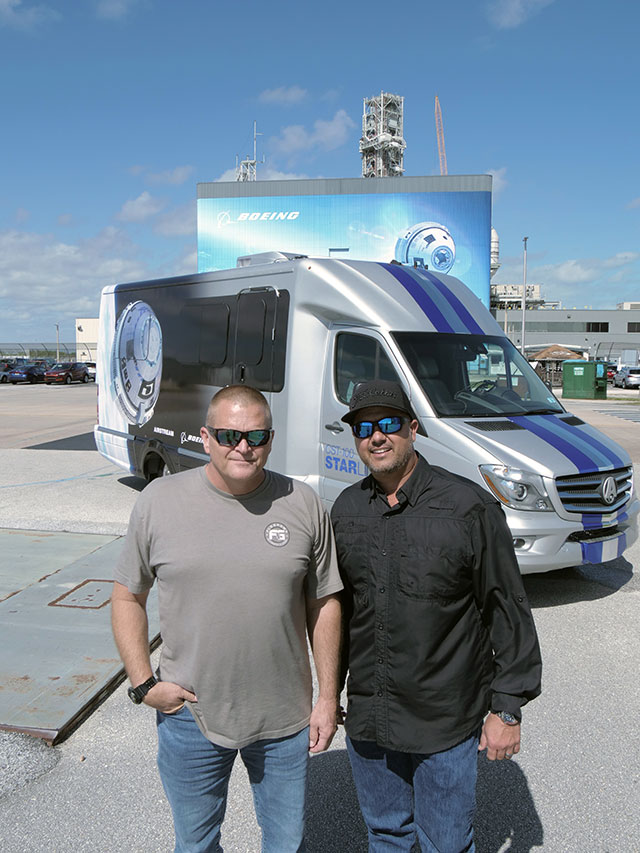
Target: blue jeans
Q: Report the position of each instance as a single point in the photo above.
(404, 795)
(195, 775)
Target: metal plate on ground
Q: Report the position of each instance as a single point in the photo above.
(59, 659)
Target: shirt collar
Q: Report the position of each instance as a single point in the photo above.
(410, 491)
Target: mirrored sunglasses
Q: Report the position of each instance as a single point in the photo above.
(233, 437)
(364, 429)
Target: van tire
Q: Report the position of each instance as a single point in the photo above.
(155, 466)
(67, 380)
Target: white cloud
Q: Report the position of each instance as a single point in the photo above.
(22, 214)
(598, 282)
(141, 208)
(65, 219)
(499, 179)
(326, 136)
(175, 176)
(44, 281)
(634, 203)
(113, 10)
(284, 95)
(13, 13)
(509, 14)
(621, 259)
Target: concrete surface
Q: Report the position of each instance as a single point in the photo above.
(574, 788)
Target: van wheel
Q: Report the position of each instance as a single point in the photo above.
(67, 380)
(154, 467)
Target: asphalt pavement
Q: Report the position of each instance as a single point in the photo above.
(575, 786)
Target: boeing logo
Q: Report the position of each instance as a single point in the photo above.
(224, 217)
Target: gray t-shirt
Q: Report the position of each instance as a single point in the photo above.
(233, 576)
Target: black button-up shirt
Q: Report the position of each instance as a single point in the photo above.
(439, 628)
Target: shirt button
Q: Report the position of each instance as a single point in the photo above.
(380, 626)
(384, 553)
(380, 693)
(380, 660)
(382, 589)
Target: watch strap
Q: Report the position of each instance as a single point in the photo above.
(137, 694)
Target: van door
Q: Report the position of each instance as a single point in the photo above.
(355, 356)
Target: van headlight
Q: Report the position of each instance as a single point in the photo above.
(517, 488)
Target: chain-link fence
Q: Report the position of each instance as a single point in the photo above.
(62, 351)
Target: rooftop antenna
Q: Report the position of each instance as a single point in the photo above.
(246, 170)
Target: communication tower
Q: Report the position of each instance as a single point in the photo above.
(382, 144)
(246, 170)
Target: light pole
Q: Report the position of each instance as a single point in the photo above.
(57, 343)
(524, 293)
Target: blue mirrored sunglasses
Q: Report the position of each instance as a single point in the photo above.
(364, 429)
(233, 437)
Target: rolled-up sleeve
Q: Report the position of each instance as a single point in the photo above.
(504, 608)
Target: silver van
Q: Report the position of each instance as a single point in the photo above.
(305, 331)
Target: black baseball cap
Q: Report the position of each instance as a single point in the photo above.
(378, 392)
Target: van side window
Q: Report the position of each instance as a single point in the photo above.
(359, 358)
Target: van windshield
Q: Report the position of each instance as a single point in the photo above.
(474, 376)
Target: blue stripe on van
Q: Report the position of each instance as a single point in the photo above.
(591, 440)
(591, 552)
(622, 544)
(442, 307)
(463, 313)
(425, 300)
(538, 425)
(591, 521)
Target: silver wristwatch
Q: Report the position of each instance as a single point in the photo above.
(507, 718)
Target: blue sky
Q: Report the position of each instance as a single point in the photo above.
(113, 110)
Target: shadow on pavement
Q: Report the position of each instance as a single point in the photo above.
(334, 823)
(581, 583)
(136, 483)
(506, 811)
(85, 441)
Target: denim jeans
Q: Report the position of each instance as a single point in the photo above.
(403, 795)
(195, 775)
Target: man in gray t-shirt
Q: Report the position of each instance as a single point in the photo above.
(245, 564)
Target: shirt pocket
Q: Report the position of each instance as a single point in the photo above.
(433, 572)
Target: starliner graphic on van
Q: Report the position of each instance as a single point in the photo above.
(305, 331)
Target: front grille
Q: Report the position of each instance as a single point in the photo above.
(582, 492)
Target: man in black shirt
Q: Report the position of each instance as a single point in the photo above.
(440, 643)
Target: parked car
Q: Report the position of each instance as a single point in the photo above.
(26, 373)
(627, 377)
(67, 372)
(5, 368)
(611, 371)
(91, 368)
(47, 363)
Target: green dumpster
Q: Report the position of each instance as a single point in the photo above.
(584, 380)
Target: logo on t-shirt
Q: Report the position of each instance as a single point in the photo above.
(276, 534)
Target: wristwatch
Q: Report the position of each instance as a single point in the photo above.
(507, 718)
(137, 694)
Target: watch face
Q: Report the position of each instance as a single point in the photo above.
(133, 696)
(136, 362)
